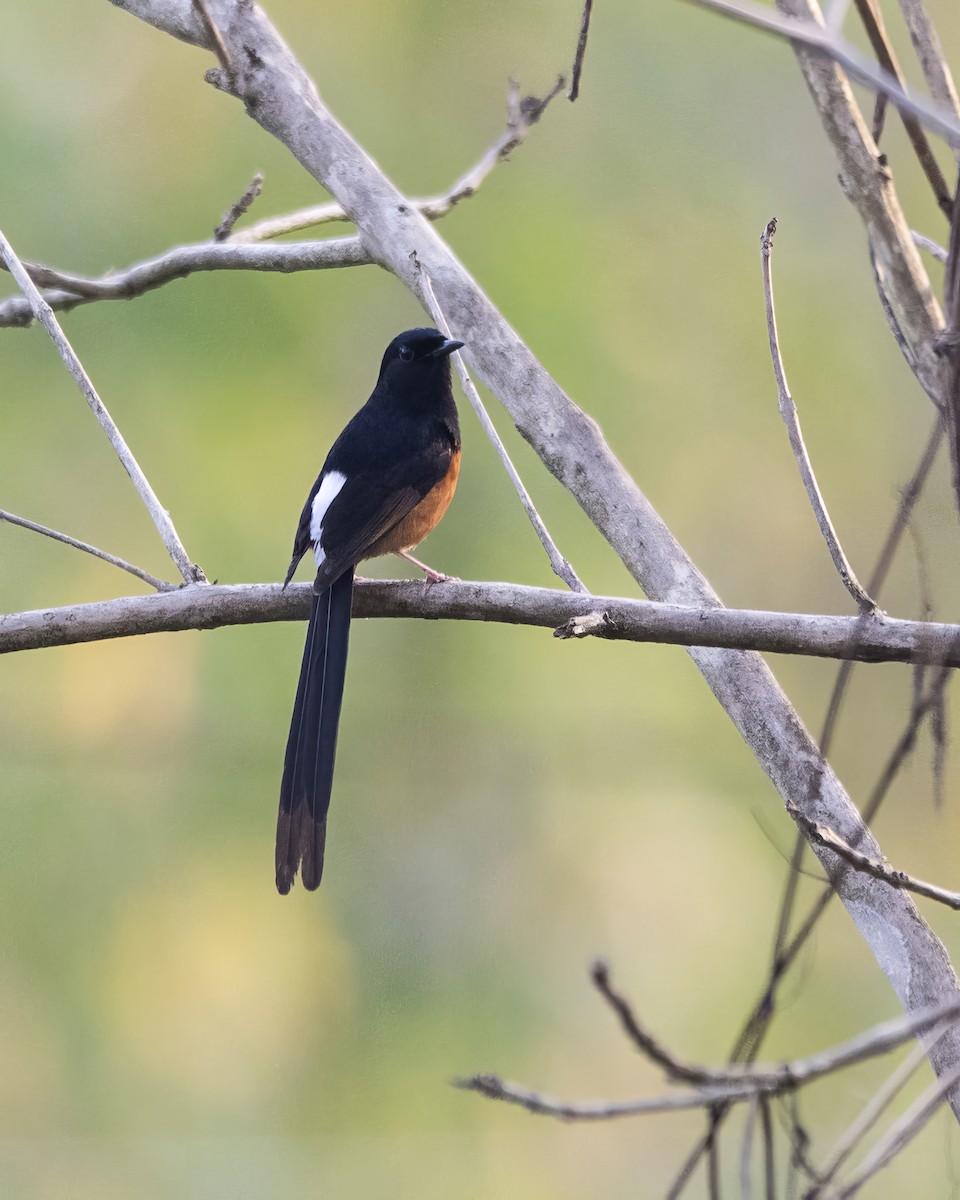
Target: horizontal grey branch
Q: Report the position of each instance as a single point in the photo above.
(867, 638)
(64, 291)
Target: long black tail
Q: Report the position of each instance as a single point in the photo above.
(312, 744)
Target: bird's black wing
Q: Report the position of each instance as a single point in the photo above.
(371, 503)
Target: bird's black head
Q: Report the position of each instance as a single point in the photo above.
(417, 359)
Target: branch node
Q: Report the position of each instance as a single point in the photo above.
(594, 624)
(220, 79)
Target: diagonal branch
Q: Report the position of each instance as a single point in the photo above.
(558, 563)
(160, 584)
(230, 252)
(873, 23)
(872, 866)
(190, 572)
(930, 55)
(788, 412)
(817, 36)
(522, 114)
(277, 93)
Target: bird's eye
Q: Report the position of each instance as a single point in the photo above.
(406, 354)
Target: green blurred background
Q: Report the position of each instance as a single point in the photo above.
(507, 806)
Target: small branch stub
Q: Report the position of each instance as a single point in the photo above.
(593, 624)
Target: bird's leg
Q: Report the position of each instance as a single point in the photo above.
(432, 575)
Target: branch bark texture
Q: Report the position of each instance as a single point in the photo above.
(873, 638)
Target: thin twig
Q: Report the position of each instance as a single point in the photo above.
(161, 585)
(558, 563)
(872, 20)
(938, 717)
(725, 1085)
(522, 115)
(830, 840)
(930, 55)
(643, 1041)
(713, 1159)
(238, 208)
(752, 1034)
(818, 37)
(799, 1138)
(68, 291)
(933, 248)
(836, 14)
(769, 1165)
(581, 50)
(878, 1040)
(903, 1131)
(214, 36)
(874, 1109)
(190, 572)
(746, 1150)
(788, 411)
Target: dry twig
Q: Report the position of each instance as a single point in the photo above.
(581, 50)
(818, 36)
(190, 572)
(725, 1085)
(160, 584)
(788, 411)
(69, 291)
(559, 564)
(826, 837)
(238, 208)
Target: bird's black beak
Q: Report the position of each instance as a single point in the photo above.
(448, 347)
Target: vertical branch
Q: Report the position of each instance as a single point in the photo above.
(788, 411)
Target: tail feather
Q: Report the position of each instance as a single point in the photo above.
(312, 742)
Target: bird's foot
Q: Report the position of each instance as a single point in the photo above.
(432, 576)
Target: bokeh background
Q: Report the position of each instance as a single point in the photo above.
(507, 806)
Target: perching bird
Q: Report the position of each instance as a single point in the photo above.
(386, 482)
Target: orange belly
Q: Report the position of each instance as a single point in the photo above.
(421, 520)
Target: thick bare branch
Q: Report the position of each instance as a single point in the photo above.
(278, 94)
(69, 291)
(879, 639)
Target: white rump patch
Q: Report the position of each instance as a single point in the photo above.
(327, 492)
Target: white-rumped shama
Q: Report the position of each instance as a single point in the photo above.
(386, 482)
